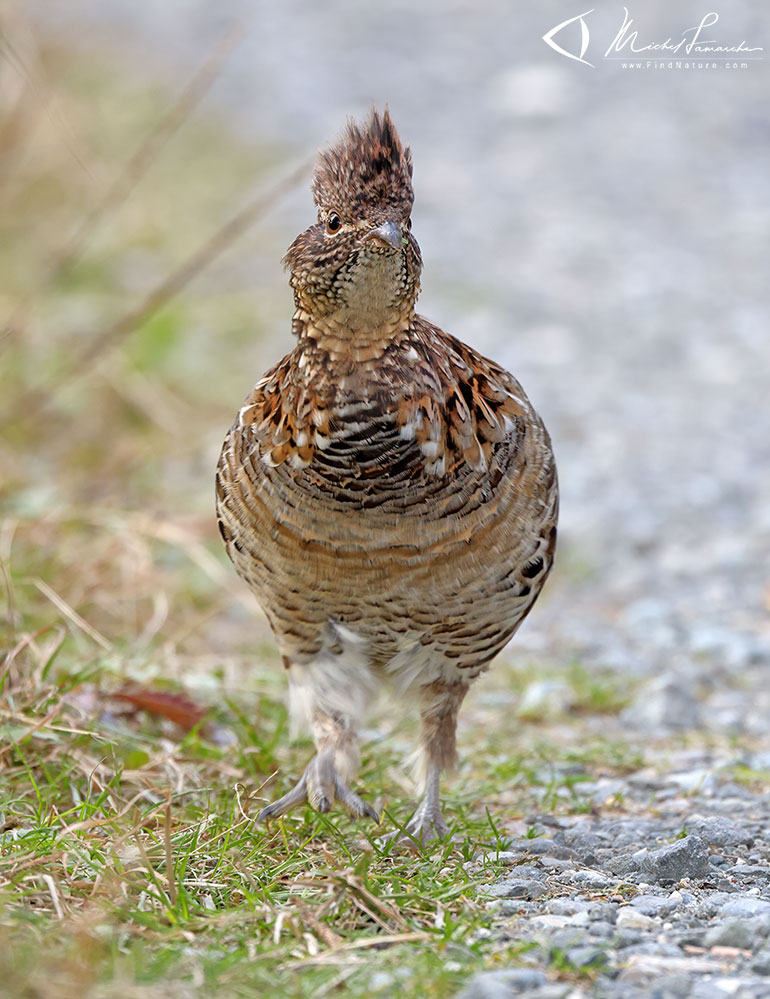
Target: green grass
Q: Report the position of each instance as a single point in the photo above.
(130, 861)
(142, 852)
(134, 851)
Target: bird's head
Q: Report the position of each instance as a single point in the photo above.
(359, 262)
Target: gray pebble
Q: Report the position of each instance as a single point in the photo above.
(761, 962)
(604, 912)
(524, 888)
(632, 919)
(655, 905)
(502, 984)
(732, 933)
(586, 955)
(666, 987)
(716, 830)
(584, 844)
(556, 864)
(652, 948)
(664, 703)
(590, 878)
(627, 938)
(513, 907)
(685, 858)
(527, 871)
(601, 929)
(713, 904)
(626, 864)
(548, 848)
(706, 989)
(761, 871)
(566, 906)
(746, 905)
(567, 938)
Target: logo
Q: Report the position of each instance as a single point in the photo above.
(584, 36)
(694, 48)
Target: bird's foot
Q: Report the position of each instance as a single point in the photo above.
(425, 826)
(320, 785)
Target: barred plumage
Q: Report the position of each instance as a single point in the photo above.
(388, 493)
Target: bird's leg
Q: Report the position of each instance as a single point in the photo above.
(438, 751)
(324, 779)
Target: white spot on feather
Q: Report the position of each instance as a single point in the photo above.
(344, 411)
(346, 634)
(244, 410)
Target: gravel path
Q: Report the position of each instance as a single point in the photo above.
(666, 896)
(604, 233)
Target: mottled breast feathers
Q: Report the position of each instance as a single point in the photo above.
(437, 406)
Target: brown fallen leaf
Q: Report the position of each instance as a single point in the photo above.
(177, 708)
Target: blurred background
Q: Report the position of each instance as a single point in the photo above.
(600, 230)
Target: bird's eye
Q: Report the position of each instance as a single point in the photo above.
(333, 223)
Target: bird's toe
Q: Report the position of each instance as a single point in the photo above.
(320, 785)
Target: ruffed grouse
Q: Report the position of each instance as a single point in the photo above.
(389, 494)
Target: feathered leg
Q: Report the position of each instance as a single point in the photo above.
(319, 697)
(440, 704)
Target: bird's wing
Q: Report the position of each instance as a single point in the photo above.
(463, 406)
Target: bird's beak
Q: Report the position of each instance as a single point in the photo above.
(388, 233)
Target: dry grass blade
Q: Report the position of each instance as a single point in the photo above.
(20, 124)
(365, 897)
(384, 915)
(41, 723)
(169, 853)
(29, 67)
(72, 615)
(24, 642)
(15, 864)
(162, 882)
(136, 167)
(88, 824)
(321, 930)
(37, 400)
(55, 896)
